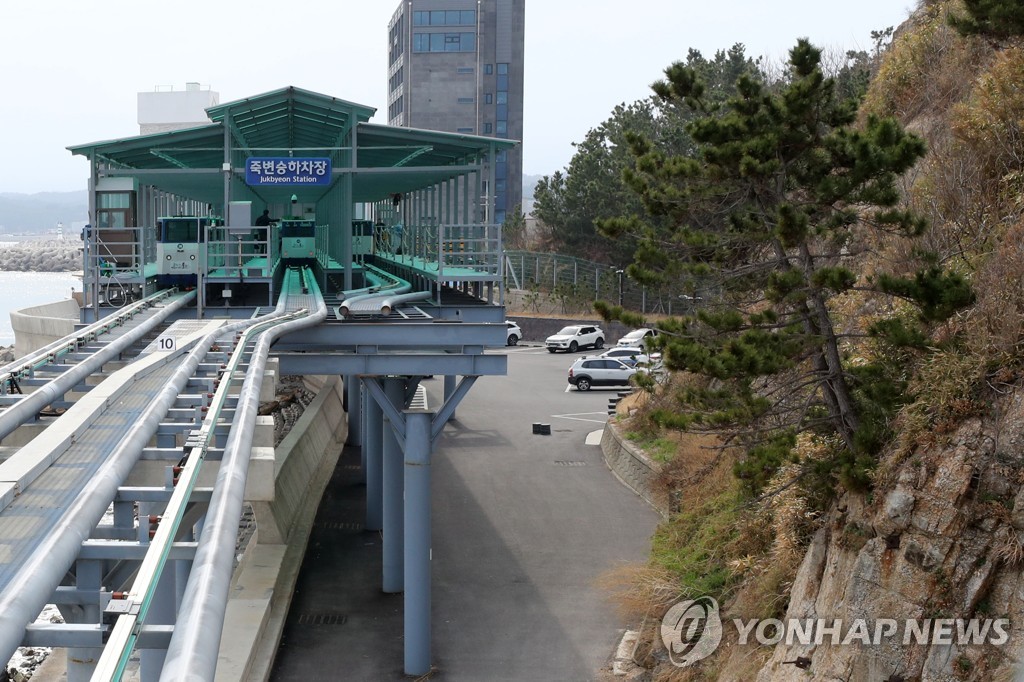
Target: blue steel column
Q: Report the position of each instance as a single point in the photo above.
(393, 493)
(161, 612)
(449, 389)
(82, 662)
(363, 426)
(373, 456)
(417, 542)
(354, 403)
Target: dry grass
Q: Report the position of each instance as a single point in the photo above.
(640, 591)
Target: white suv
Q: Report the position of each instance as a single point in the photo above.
(514, 333)
(574, 337)
(587, 372)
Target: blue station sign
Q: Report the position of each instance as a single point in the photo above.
(287, 170)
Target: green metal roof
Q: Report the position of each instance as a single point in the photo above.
(188, 162)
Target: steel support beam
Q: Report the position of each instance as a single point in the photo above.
(393, 363)
(355, 437)
(410, 335)
(373, 441)
(449, 389)
(394, 532)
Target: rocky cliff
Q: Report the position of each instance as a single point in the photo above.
(942, 543)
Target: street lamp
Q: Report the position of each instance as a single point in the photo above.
(620, 272)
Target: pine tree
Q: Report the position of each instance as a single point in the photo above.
(763, 219)
(994, 18)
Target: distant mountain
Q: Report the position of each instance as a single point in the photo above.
(529, 184)
(40, 212)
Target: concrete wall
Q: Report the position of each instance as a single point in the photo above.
(41, 325)
(284, 490)
(635, 469)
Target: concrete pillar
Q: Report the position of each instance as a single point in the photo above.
(354, 402)
(373, 452)
(81, 663)
(449, 389)
(417, 543)
(393, 493)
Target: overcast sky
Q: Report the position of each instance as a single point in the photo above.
(72, 69)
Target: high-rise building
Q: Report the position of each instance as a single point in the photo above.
(457, 66)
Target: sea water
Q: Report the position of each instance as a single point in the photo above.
(25, 289)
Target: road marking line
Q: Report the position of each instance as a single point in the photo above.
(576, 417)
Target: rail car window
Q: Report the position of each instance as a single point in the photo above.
(180, 230)
(303, 228)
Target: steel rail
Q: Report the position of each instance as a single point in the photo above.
(400, 286)
(26, 408)
(41, 357)
(194, 647)
(32, 586)
(134, 605)
(389, 303)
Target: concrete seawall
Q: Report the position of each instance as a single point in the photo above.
(284, 487)
(635, 469)
(41, 325)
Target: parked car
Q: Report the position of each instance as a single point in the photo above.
(574, 337)
(637, 337)
(514, 333)
(597, 371)
(629, 355)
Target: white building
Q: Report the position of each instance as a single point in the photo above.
(167, 109)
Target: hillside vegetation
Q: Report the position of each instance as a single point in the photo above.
(900, 498)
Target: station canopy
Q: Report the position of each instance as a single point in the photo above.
(293, 122)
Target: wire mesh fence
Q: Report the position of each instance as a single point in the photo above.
(575, 284)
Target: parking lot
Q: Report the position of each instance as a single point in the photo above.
(523, 526)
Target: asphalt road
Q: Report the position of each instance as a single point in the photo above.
(523, 525)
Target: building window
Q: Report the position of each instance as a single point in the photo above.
(444, 18)
(503, 69)
(396, 80)
(465, 69)
(502, 127)
(488, 98)
(444, 42)
(115, 209)
(488, 129)
(488, 69)
(502, 97)
(465, 100)
(502, 83)
(464, 130)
